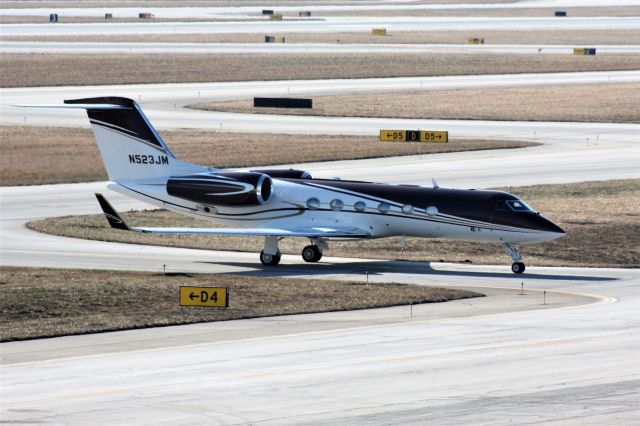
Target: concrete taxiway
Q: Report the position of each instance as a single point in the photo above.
(296, 48)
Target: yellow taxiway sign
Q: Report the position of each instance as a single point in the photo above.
(216, 297)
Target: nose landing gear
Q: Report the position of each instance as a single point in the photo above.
(270, 256)
(513, 250)
(518, 267)
(269, 259)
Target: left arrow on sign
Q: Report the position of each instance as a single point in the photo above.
(192, 296)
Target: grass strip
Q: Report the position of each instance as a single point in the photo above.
(39, 302)
(605, 103)
(54, 69)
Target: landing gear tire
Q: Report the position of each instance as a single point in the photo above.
(311, 254)
(269, 259)
(518, 267)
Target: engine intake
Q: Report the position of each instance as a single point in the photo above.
(222, 189)
(285, 173)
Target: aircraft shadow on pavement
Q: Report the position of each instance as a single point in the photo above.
(360, 269)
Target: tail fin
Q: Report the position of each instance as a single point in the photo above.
(130, 147)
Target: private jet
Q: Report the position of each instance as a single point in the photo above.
(285, 203)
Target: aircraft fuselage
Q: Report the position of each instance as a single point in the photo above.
(383, 210)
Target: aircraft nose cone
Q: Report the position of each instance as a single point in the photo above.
(549, 226)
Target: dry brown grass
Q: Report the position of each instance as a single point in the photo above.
(37, 302)
(38, 155)
(21, 70)
(601, 219)
(592, 103)
(574, 37)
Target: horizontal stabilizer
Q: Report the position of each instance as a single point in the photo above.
(78, 106)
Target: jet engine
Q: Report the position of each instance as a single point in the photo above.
(285, 173)
(223, 189)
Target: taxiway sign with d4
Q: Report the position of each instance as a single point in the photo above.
(215, 297)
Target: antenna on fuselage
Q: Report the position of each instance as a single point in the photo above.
(435, 183)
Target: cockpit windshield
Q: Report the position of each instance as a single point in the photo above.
(519, 206)
(512, 205)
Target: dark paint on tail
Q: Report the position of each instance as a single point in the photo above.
(127, 119)
(112, 216)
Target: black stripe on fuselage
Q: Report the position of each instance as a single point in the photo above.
(444, 221)
(455, 204)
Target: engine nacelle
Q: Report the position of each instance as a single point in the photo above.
(222, 189)
(285, 173)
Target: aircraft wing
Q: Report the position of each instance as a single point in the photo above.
(316, 232)
(262, 232)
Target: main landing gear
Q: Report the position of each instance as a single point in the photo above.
(513, 250)
(271, 255)
(313, 252)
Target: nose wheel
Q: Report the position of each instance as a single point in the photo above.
(518, 267)
(311, 253)
(513, 250)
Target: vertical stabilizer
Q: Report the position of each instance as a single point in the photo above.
(130, 147)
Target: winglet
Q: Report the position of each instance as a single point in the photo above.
(112, 216)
